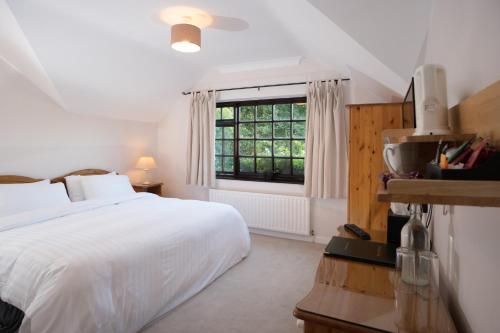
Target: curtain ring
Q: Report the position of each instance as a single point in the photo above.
(445, 210)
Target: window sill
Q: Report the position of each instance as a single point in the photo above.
(260, 187)
(262, 180)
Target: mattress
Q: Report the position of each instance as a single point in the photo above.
(114, 265)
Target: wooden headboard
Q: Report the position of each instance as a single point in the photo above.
(8, 179)
(84, 172)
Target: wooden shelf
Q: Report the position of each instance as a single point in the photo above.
(406, 135)
(442, 192)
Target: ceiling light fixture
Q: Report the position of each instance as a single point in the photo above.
(185, 37)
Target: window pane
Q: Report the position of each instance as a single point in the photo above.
(282, 166)
(264, 165)
(282, 130)
(246, 148)
(228, 164)
(298, 167)
(299, 130)
(218, 113)
(247, 113)
(218, 147)
(299, 111)
(282, 111)
(264, 148)
(246, 131)
(228, 112)
(229, 132)
(246, 164)
(218, 164)
(218, 132)
(281, 148)
(298, 148)
(228, 147)
(264, 112)
(264, 130)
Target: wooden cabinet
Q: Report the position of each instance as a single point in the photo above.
(155, 188)
(366, 123)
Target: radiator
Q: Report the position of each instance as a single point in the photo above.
(273, 212)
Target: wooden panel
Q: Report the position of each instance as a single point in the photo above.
(443, 192)
(17, 180)
(401, 135)
(366, 163)
(480, 113)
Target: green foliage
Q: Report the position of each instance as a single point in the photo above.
(298, 167)
(229, 132)
(282, 130)
(282, 165)
(218, 132)
(247, 113)
(264, 165)
(218, 147)
(282, 148)
(264, 131)
(228, 147)
(264, 147)
(228, 164)
(298, 148)
(246, 164)
(218, 164)
(218, 113)
(246, 148)
(228, 112)
(299, 111)
(246, 131)
(282, 111)
(264, 112)
(299, 130)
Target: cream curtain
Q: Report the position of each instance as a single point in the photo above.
(201, 140)
(326, 141)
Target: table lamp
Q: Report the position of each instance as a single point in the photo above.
(146, 163)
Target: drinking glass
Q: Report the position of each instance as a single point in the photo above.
(428, 272)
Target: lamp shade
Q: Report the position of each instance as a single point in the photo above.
(185, 38)
(146, 163)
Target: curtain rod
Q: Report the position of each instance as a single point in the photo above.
(265, 86)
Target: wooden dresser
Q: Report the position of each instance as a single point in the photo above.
(349, 296)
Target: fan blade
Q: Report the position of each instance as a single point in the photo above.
(228, 23)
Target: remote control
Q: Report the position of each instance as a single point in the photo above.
(357, 231)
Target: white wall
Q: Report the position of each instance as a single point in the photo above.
(326, 215)
(39, 139)
(464, 37)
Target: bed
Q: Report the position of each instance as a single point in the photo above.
(113, 264)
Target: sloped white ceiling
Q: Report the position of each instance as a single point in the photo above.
(16, 51)
(391, 30)
(112, 58)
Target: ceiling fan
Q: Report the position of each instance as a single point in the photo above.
(187, 22)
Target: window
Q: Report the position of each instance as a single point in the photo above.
(261, 140)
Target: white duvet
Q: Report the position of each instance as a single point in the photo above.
(114, 265)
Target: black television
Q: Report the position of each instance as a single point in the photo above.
(409, 106)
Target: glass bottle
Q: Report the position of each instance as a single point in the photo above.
(414, 235)
(415, 238)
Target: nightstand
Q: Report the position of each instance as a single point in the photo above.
(154, 188)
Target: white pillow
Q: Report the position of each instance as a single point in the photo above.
(23, 198)
(74, 185)
(106, 187)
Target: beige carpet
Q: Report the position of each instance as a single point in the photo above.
(257, 295)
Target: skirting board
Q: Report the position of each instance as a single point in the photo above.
(312, 239)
